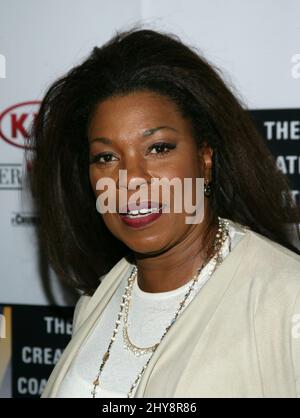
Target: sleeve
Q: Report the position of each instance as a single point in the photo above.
(296, 343)
(78, 312)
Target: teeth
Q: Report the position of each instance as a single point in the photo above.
(142, 212)
(133, 212)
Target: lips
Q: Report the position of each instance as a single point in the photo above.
(141, 220)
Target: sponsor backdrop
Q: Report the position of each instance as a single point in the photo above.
(254, 43)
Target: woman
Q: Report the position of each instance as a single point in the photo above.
(169, 308)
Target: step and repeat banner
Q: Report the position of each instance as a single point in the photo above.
(254, 43)
(281, 130)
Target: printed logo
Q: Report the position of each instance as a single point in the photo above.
(181, 199)
(16, 121)
(23, 219)
(11, 176)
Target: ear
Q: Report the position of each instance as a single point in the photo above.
(205, 157)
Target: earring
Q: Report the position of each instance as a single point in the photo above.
(207, 188)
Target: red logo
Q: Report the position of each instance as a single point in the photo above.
(15, 123)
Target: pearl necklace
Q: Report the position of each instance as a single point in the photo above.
(221, 236)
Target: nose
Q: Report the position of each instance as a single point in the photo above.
(134, 173)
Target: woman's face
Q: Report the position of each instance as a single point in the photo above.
(126, 133)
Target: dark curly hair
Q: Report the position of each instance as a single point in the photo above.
(248, 188)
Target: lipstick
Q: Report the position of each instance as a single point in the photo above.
(142, 215)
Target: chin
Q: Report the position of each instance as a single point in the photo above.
(148, 247)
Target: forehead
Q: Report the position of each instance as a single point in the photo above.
(135, 110)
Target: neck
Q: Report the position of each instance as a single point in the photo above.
(177, 265)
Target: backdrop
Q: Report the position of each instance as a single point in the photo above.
(255, 44)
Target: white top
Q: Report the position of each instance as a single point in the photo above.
(149, 315)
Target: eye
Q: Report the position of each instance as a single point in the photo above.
(162, 148)
(102, 158)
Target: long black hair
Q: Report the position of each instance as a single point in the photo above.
(247, 187)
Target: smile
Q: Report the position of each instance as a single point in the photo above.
(142, 212)
(140, 217)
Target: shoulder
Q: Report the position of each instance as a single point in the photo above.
(271, 257)
(264, 259)
(81, 306)
(108, 283)
(79, 310)
(273, 275)
(267, 276)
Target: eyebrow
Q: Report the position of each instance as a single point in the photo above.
(147, 132)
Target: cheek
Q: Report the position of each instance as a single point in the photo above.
(190, 167)
(187, 194)
(110, 221)
(186, 165)
(95, 175)
(183, 168)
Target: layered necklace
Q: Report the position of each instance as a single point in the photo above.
(221, 236)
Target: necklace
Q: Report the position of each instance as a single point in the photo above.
(221, 236)
(128, 344)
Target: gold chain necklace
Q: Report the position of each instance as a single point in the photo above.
(137, 351)
(124, 306)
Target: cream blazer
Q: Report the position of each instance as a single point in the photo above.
(239, 336)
